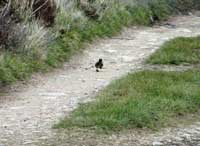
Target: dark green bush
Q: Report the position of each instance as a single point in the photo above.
(160, 9)
(183, 6)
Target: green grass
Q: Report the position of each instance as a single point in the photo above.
(79, 30)
(20, 66)
(178, 51)
(143, 99)
(14, 67)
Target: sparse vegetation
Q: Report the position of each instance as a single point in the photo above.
(46, 33)
(178, 51)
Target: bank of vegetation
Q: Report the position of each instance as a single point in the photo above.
(36, 35)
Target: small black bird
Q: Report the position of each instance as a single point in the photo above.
(99, 65)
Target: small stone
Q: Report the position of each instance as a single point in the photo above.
(186, 136)
(157, 143)
(198, 128)
(25, 120)
(113, 62)
(178, 139)
(190, 14)
(111, 51)
(127, 59)
(28, 142)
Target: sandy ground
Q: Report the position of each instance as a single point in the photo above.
(27, 112)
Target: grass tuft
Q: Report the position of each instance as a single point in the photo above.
(178, 51)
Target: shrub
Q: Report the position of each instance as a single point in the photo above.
(3, 35)
(160, 9)
(182, 6)
(45, 10)
(41, 9)
(4, 23)
(140, 15)
(92, 8)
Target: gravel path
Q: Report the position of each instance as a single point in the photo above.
(28, 112)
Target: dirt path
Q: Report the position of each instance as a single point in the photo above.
(27, 113)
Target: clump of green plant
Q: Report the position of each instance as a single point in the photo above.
(143, 99)
(160, 10)
(12, 68)
(141, 15)
(183, 6)
(178, 51)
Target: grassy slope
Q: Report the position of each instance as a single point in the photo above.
(15, 67)
(178, 51)
(143, 99)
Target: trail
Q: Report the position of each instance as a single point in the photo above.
(27, 112)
